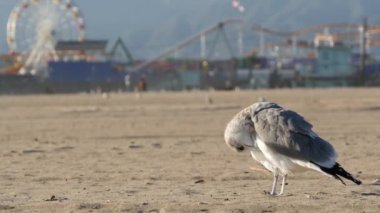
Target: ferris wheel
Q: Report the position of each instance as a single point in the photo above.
(35, 26)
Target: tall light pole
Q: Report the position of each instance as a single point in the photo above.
(363, 51)
(241, 41)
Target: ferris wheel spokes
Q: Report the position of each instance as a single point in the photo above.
(35, 26)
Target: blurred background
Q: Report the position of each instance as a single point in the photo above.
(61, 46)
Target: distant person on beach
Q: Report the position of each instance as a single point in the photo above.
(142, 86)
(127, 82)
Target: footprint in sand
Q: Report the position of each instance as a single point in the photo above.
(90, 206)
(32, 151)
(135, 146)
(6, 207)
(157, 145)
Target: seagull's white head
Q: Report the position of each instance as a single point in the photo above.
(239, 133)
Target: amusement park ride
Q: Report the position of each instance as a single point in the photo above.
(352, 34)
(35, 27)
(33, 30)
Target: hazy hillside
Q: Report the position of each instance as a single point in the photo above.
(151, 27)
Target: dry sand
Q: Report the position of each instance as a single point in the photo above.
(164, 152)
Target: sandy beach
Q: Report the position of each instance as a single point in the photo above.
(165, 152)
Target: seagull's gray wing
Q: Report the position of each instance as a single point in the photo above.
(295, 122)
(289, 134)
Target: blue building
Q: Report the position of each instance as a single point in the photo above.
(333, 67)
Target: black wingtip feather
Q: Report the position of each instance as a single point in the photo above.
(336, 170)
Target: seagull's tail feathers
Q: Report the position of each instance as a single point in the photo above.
(337, 170)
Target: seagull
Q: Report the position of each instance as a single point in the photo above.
(283, 142)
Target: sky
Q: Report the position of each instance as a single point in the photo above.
(109, 19)
(138, 22)
(145, 28)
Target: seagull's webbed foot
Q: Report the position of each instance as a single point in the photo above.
(270, 194)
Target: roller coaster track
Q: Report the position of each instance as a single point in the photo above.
(316, 28)
(353, 34)
(188, 41)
